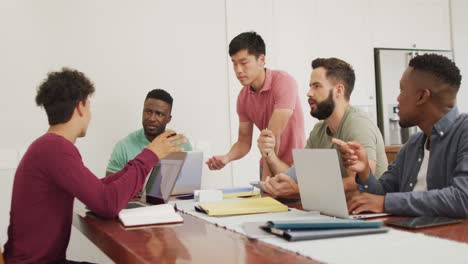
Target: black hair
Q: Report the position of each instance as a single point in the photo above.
(160, 94)
(338, 70)
(250, 41)
(438, 66)
(61, 91)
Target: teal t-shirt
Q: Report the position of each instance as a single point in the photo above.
(129, 147)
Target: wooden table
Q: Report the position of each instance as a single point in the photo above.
(197, 241)
(194, 241)
(455, 232)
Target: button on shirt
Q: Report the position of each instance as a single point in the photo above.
(447, 173)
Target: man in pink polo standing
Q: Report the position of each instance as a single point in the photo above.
(268, 99)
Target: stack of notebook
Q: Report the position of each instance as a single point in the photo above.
(242, 206)
(240, 192)
(297, 230)
(150, 215)
(236, 192)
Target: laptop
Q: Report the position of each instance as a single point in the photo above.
(163, 177)
(320, 183)
(190, 175)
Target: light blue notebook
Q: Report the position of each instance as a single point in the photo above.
(301, 234)
(236, 190)
(312, 224)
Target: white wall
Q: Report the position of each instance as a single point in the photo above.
(459, 9)
(128, 48)
(6, 183)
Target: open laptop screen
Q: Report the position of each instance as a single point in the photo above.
(163, 178)
(190, 175)
(320, 183)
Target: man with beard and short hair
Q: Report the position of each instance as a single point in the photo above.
(156, 115)
(331, 84)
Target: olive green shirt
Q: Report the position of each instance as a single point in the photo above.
(355, 126)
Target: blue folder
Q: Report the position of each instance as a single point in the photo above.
(313, 224)
(310, 234)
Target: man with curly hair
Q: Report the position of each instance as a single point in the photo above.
(430, 173)
(51, 174)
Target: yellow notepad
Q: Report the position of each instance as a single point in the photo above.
(242, 206)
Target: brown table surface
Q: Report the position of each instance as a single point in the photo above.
(201, 242)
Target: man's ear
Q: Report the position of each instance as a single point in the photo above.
(170, 118)
(339, 89)
(79, 108)
(424, 97)
(261, 57)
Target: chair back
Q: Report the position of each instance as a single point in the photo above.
(1, 256)
(391, 152)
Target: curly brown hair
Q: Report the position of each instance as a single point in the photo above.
(61, 91)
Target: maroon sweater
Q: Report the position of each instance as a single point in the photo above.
(49, 177)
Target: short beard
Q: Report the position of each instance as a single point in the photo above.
(404, 124)
(325, 108)
(154, 135)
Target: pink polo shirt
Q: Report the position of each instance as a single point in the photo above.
(279, 92)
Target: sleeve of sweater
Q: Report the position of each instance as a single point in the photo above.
(104, 197)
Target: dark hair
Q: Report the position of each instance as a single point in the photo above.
(160, 94)
(440, 67)
(337, 70)
(250, 41)
(61, 91)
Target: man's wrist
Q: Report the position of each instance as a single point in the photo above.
(271, 158)
(383, 205)
(228, 158)
(364, 176)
